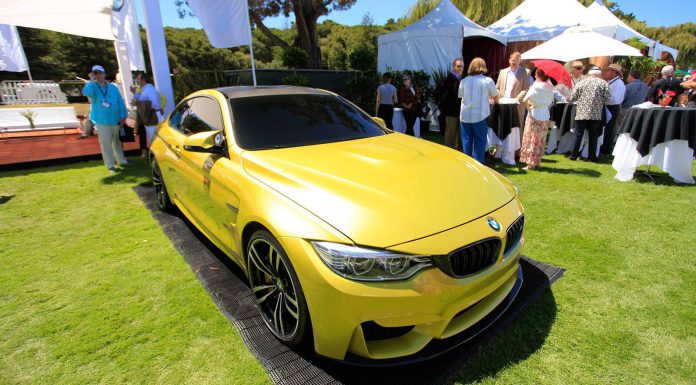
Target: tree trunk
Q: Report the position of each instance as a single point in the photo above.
(306, 15)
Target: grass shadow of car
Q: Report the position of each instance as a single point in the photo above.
(484, 355)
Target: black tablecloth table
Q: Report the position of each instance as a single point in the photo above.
(504, 131)
(503, 118)
(564, 116)
(652, 126)
(663, 137)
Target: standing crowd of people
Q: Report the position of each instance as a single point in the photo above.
(601, 96)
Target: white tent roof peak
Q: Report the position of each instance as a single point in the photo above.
(621, 31)
(432, 42)
(541, 19)
(444, 20)
(599, 12)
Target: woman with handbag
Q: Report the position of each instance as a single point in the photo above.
(148, 104)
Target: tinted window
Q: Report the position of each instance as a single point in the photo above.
(179, 114)
(277, 121)
(197, 115)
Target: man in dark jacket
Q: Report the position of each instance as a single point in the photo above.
(667, 86)
(451, 104)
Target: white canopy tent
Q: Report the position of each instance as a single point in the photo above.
(599, 13)
(577, 43)
(541, 19)
(536, 20)
(432, 42)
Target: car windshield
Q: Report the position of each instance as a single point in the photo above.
(278, 121)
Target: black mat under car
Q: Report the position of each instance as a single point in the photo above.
(227, 286)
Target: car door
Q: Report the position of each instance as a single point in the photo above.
(194, 176)
(226, 191)
(172, 135)
(214, 187)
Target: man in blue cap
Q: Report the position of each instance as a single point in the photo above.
(108, 114)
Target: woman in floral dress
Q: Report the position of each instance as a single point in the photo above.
(539, 98)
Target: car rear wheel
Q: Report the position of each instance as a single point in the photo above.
(277, 290)
(163, 202)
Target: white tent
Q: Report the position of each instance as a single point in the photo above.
(432, 42)
(541, 19)
(91, 18)
(577, 43)
(599, 13)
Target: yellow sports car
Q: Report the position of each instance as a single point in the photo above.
(369, 245)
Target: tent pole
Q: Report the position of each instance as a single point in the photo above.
(251, 44)
(158, 52)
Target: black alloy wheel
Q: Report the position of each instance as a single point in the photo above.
(277, 290)
(163, 202)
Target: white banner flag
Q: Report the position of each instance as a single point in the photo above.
(226, 22)
(11, 53)
(124, 24)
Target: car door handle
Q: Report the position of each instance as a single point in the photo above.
(176, 150)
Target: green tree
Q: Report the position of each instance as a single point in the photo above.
(306, 14)
(294, 57)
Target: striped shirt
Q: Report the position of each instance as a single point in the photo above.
(475, 91)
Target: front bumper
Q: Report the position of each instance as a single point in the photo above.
(426, 310)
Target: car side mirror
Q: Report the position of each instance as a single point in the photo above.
(380, 121)
(209, 142)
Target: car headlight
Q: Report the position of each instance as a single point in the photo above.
(361, 264)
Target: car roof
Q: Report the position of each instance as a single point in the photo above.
(250, 91)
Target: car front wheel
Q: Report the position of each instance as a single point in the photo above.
(163, 202)
(277, 290)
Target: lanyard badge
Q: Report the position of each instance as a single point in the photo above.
(104, 92)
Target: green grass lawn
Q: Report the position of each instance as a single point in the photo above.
(92, 291)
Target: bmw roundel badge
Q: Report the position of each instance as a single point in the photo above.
(493, 224)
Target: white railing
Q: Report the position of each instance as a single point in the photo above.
(37, 92)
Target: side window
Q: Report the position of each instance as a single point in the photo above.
(179, 114)
(204, 115)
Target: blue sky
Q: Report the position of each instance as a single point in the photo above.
(381, 10)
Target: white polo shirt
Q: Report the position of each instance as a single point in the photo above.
(475, 91)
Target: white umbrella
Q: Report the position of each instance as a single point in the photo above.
(577, 43)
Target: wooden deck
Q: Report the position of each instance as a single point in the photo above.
(24, 150)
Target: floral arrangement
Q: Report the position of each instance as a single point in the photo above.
(30, 115)
(666, 97)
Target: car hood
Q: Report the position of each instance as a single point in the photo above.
(385, 190)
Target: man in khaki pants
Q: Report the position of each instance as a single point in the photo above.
(108, 114)
(451, 104)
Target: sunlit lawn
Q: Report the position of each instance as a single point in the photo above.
(92, 291)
